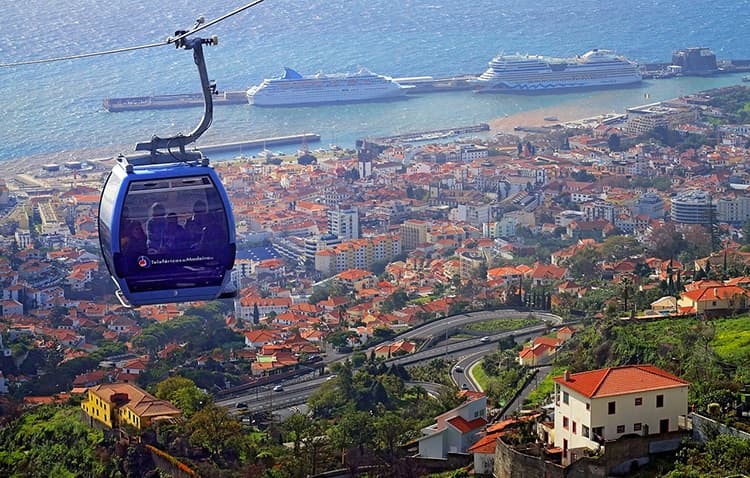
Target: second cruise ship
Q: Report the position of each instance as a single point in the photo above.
(534, 73)
(295, 89)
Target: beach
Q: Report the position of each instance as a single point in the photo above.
(536, 118)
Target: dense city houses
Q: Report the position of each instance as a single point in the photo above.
(636, 216)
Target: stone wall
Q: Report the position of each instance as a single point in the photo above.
(510, 463)
(619, 457)
(705, 428)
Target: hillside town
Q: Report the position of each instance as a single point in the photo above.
(625, 220)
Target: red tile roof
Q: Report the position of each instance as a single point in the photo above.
(620, 380)
(486, 444)
(465, 426)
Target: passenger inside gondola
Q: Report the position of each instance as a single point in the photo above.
(157, 228)
(132, 239)
(174, 234)
(202, 229)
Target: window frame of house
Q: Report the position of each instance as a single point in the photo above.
(637, 427)
(584, 431)
(660, 401)
(620, 428)
(638, 401)
(565, 423)
(574, 428)
(566, 398)
(611, 408)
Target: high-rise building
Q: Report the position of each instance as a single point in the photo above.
(344, 223)
(693, 207)
(413, 233)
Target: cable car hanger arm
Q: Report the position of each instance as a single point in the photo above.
(180, 140)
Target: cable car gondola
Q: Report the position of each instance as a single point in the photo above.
(166, 228)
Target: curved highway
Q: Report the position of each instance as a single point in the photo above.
(296, 392)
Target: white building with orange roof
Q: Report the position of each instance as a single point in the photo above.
(599, 406)
(715, 299)
(245, 307)
(455, 430)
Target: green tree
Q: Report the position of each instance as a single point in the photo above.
(584, 263)
(217, 432)
(53, 441)
(355, 430)
(621, 247)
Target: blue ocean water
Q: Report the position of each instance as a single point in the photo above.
(57, 107)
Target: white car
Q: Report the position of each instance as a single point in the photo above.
(278, 388)
(484, 339)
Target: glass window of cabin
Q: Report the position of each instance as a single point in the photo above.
(174, 234)
(106, 207)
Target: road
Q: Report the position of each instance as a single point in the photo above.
(297, 391)
(517, 403)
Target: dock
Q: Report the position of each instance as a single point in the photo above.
(261, 143)
(420, 84)
(428, 84)
(162, 102)
(435, 134)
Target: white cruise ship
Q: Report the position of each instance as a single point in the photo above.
(294, 89)
(534, 73)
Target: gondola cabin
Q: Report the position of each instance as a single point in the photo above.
(167, 233)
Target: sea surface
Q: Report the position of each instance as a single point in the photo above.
(57, 107)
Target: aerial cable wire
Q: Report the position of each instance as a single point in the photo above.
(170, 40)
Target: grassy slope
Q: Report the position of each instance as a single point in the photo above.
(732, 341)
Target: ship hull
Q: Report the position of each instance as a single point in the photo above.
(301, 100)
(544, 89)
(536, 74)
(293, 89)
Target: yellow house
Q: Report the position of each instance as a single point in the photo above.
(117, 404)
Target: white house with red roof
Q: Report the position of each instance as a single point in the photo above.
(455, 430)
(260, 337)
(592, 408)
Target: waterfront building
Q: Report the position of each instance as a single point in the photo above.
(472, 152)
(644, 119)
(599, 406)
(693, 207)
(695, 61)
